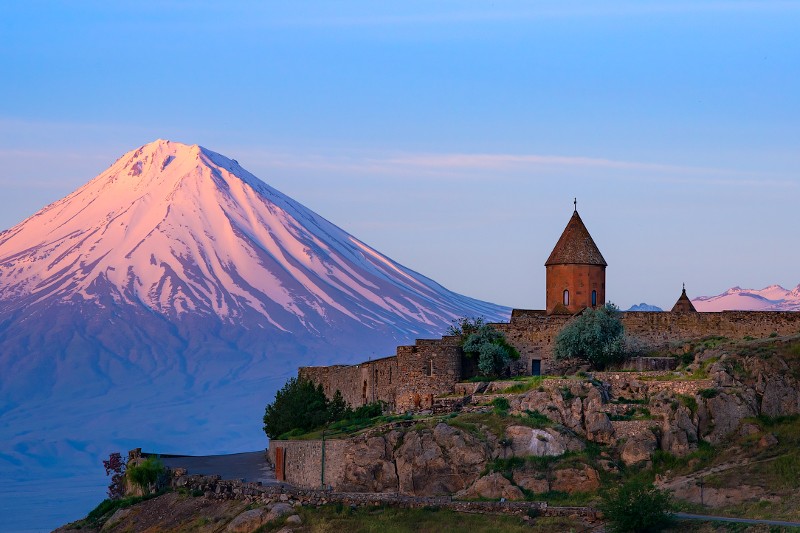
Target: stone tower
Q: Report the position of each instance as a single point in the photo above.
(576, 271)
(684, 304)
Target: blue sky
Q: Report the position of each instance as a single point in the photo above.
(452, 136)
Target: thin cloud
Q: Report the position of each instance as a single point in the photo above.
(460, 166)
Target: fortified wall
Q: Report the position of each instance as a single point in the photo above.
(575, 280)
(409, 380)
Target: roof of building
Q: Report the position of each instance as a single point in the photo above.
(576, 246)
(684, 304)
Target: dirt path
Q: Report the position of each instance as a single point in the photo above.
(687, 516)
(250, 466)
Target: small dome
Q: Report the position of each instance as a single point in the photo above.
(684, 304)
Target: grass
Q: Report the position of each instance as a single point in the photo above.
(529, 383)
(350, 427)
(105, 509)
(497, 421)
(336, 518)
(633, 413)
(688, 401)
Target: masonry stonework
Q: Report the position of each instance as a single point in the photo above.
(415, 375)
(410, 380)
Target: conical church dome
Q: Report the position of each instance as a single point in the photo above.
(576, 246)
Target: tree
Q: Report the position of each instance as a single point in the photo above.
(116, 468)
(596, 336)
(337, 407)
(298, 405)
(490, 346)
(465, 326)
(637, 507)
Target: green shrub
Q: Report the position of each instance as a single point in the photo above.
(146, 473)
(368, 410)
(637, 506)
(298, 405)
(539, 420)
(465, 326)
(596, 336)
(708, 393)
(491, 348)
(688, 401)
(501, 405)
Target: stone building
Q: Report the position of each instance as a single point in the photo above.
(684, 304)
(576, 271)
(575, 277)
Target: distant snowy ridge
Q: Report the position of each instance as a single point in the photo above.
(772, 298)
(645, 307)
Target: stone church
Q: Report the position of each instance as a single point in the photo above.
(575, 275)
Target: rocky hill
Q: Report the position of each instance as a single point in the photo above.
(722, 432)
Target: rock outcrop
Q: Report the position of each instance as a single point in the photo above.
(493, 486)
(423, 462)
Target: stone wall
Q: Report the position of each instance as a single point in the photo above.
(303, 461)
(407, 381)
(428, 369)
(215, 488)
(661, 329)
(622, 381)
(359, 384)
(416, 374)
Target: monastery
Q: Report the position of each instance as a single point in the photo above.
(411, 379)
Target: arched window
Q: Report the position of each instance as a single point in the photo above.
(594, 298)
(566, 297)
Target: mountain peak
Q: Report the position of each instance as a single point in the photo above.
(182, 230)
(771, 298)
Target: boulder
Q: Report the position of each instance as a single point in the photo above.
(638, 448)
(249, 521)
(367, 467)
(439, 461)
(528, 441)
(572, 480)
(116, 518)
(679, 434)
(781, 395)
(277, 510)
(725, 412)
(492, 486)
(294, 519)
(532, 481)
(599, 427)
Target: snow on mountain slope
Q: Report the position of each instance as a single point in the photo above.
(162, 304)
(772, 298)
(181, 229)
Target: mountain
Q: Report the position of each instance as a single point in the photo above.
(772, 298)
(644, 307)
(164, 302)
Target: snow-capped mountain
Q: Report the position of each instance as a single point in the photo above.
(163, 303)
(772, 298)
(183, 231)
